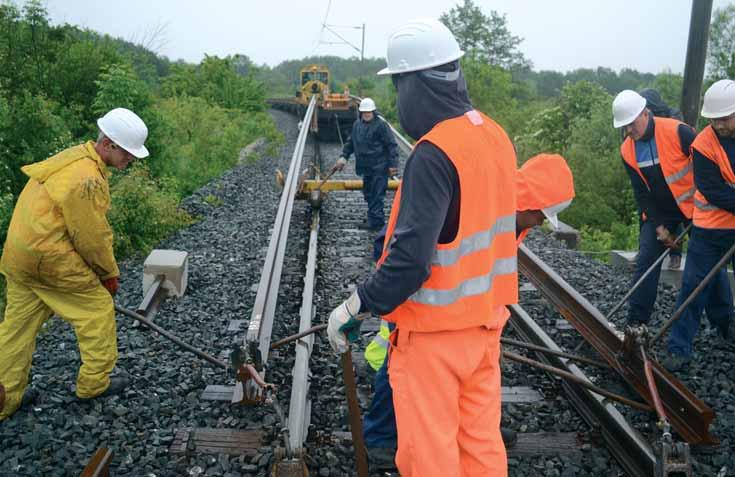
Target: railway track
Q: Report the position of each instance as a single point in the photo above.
(323, 256)
(690, 417)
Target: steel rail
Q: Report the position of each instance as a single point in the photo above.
(626, 444)
(688, 415)
(261, 318)
(299, 410)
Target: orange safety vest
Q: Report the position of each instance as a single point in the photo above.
(707, 215)
(475, 275)
(676, 166)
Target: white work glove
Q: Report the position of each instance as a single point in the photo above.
(340, 164)
(344, 324)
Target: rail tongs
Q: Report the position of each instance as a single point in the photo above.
(671, 457)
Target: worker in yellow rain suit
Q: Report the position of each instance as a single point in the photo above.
(58, 259)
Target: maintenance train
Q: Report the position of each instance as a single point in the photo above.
(335, 111)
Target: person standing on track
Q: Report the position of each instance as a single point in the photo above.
(713, 232)
(658, 107)
(657, 156)
(448, 268)
(58, 259)
(545, 187)
(376, 159)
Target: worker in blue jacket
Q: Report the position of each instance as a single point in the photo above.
(376, 154)
(713, 233)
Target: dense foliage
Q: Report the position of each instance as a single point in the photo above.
(55, 81)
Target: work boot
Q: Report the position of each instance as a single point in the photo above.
(726, 335)
(365, 225)
(675, 363)
(117, 386)
(510, 437)
(381, 458)
(29, 397)
(674, 262)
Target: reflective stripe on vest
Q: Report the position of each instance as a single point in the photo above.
(678, 175)
(707, 215)
(649, 163)
(477, 271)
(704, 206)
(686, 195)
(474, 243)
(470, 287)
(675, 165)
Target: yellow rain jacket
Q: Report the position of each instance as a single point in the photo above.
(59, 237)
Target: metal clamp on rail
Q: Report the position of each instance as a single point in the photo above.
(247, 364)
(671, 457)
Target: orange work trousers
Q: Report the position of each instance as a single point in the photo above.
(446, 394)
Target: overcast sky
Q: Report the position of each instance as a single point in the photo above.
(648, 35)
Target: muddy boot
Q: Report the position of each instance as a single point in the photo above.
(675, 363)
(510, 437)
(30, 396)
(381, 458)
(117, 386)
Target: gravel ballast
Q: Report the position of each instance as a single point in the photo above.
(227, 246)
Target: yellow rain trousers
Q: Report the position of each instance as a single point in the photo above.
(58, 249)
(90, 313)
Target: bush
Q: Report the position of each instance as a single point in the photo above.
(596, 241)
(550, 129)
(490, 89)
(217, 81)
(32, 128)
(143, 213)
(205, 140)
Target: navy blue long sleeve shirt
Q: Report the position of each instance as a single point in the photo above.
(430, 192)
(709, 180)
(429, 214)
(655, 199)
(374, 147)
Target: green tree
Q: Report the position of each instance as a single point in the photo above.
(217, 81)
(490, 89)
(485, 37)
(721, 48)
(32, 128)
(550, 129)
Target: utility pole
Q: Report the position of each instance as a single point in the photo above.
(362, 60)
(362, 46)
(695, 60)
(344, 41)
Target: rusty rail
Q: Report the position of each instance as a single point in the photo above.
(689, 416)
(626, 444)
(99, 465)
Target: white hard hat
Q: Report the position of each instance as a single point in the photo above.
(419, 45)
(719, 100)
(367, 104)
(125, 129)
(627, 105)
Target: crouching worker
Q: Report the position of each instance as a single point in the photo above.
(58, 259)
(544, 187)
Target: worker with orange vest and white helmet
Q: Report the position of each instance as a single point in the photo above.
(448, 268)
(657, 156)
(544, 188)
(713, 233)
